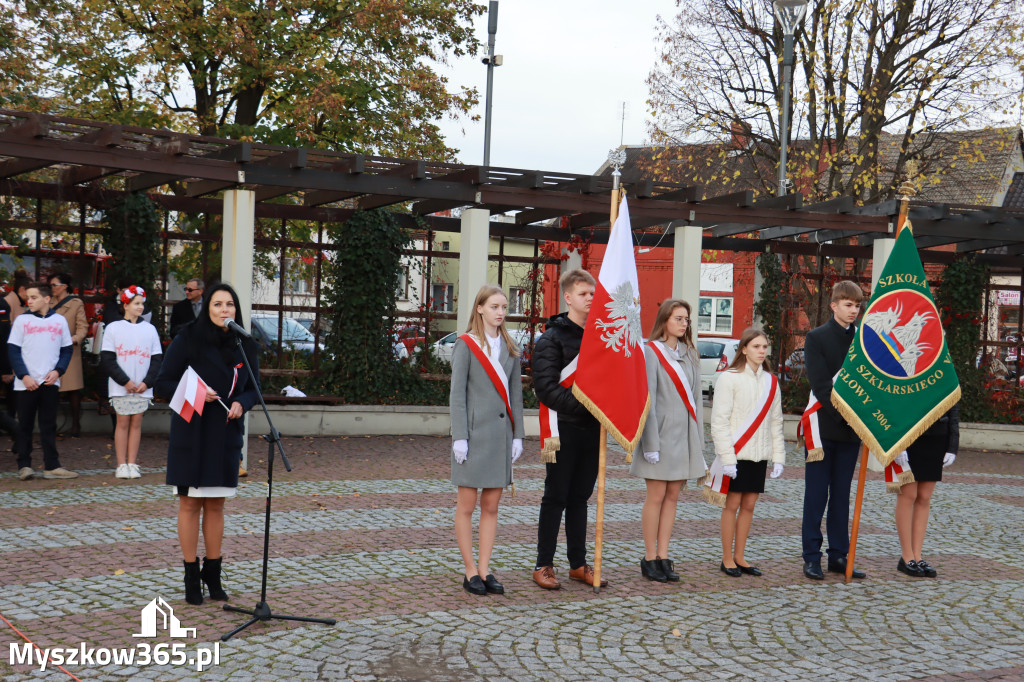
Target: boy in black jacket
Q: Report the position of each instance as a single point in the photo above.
(827, 483)
(569, 482)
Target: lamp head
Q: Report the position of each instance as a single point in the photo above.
(790, 13)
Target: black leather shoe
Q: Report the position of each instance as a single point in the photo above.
(812, 569)
(911, 568)
(839, 566)
(474, 585)
(750, 570)
(731, 572)
(492, 585)
(652, 570)
(929, 572)
(668, 568)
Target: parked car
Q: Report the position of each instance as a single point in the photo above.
(444, 346)
(715, 356)
(294, 335)
(793, 366)
(411, 335)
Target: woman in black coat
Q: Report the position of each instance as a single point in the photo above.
(203, 454)
(934, 450)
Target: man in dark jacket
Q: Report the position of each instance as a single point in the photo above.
(569, 482)
(827, 483)
(187, 310)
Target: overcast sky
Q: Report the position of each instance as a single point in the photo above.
(569, 65)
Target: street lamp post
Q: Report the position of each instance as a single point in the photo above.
(491, 60)
(789, 13)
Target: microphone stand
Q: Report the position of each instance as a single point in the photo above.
(262, 610)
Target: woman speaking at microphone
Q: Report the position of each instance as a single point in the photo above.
(203, 453)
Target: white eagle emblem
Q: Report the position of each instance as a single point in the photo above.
(908, 335)
(623, 329)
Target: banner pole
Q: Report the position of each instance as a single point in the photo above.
(856, 511)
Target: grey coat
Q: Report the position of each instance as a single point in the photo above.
(670, 430)
(479, 416)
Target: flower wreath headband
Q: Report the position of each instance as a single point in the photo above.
(131, 292)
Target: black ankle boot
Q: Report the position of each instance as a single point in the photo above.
(652, 570)
(668, 568)
(193, 588)
(211, 576)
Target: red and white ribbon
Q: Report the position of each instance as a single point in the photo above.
(752, 423)
(716, 484)
(675, 372)
(549, 441)
(493, 369)
(808, 428)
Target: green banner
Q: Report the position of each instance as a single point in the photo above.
(898, 377)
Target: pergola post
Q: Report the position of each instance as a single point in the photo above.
(880, 250)
(686, 269)
(473, 264)
(237, 248)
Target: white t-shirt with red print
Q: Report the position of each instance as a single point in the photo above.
(40, 339)
(134, 345)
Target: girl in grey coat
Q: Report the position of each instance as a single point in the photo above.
(672, 445)
(486, 402)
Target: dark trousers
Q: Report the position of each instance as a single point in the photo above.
(827, 484)
(567, 488)
(42, 401)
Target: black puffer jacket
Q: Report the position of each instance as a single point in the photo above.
(555, 349)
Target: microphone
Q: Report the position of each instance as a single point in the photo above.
(237, 328)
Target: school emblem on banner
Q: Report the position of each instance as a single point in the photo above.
(898, 377)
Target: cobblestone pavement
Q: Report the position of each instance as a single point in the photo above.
(362, 532)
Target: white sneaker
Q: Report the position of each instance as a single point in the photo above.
(122, 471)
(133, 470)
(25, 473)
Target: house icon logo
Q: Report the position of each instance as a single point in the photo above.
(159, 614)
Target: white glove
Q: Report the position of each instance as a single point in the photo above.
(948, 459)
(903, 460)
(517, 449)
(461, 450)
(777, 470)
(652, 457)
(729, 470)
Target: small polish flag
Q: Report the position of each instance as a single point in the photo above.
(190, 396)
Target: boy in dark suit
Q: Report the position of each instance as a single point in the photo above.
(827, 482)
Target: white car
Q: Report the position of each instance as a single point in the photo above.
(715, 357)
(444, 346)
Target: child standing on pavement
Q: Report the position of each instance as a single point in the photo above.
(672, 447)
(130, 356)
(40, 349)
(486, 402)
(746, 425)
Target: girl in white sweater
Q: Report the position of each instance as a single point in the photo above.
(746, 426)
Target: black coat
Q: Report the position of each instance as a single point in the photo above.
(947, 426)
(824, 352)
(555, 349)
(207, 450)
(181, 314)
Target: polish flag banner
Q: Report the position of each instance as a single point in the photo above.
(190, 396)
(611, 375)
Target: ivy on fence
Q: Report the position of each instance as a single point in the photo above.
(133, 241)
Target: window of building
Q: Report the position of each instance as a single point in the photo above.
(714, 315)
(441, 296)
(517, 300)
(446, 246)
(298, 276)
(403, 284)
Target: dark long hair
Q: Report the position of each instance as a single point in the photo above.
(206, 332)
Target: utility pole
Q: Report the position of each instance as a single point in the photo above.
(491, 60)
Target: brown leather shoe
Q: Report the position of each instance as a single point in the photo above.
(585, 574)
(242, 473)
(545, 577)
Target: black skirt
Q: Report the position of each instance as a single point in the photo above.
(749, 477)
(926, 454)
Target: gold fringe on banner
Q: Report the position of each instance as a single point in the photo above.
(886, 457)
(547, 453)
(628, 445)
(512, 489)
(901, 480)
(713, 497)
(816, 455)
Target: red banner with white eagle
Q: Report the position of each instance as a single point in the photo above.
(611, 377)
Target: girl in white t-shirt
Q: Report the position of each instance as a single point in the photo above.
(131, 356)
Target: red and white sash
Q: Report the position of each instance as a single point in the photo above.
(675, 372)
(808, 428)
(495, 372)
(549, 441)
(896, 477)
(716, 483)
